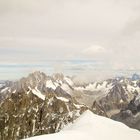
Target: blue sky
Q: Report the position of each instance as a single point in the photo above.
(36, 34)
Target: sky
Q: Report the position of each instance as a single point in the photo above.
(93, 34)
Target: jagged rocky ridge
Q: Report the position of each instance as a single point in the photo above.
(29, 96)
(112, 94)
(117, 98)
(131, 114)
(30, 108)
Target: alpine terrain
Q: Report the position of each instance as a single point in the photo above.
(41, 104)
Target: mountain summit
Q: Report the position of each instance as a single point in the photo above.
(42, 104)
(31, 107)
(90, 126)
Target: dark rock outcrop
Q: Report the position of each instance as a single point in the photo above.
(130, 115)
(33, 109)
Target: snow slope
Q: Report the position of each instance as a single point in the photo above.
(38, 93)
(93, 127)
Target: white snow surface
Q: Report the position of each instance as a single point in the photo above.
(5, 89)
(50, 84)
(64, 85)
(104, 87)
(93, 127)
(38, 93)
(66, 88)
(62, 99)
(68, 80)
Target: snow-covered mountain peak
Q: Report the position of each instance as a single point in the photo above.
(90, 126)
(107, 97)
(31, 108)
(38, 81)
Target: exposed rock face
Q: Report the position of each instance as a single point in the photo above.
(98, 109)
(37, 80)
(32, 109)
(131, 114)
(117, 98)
(111, 95)
(41, 104)
(4, 89)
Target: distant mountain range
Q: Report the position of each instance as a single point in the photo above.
(42, 104)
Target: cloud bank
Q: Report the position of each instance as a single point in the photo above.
(33, 31)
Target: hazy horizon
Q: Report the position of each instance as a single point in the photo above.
(101, 36)
(84, 70)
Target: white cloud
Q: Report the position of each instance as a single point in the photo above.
(32, 30)
(94, 50)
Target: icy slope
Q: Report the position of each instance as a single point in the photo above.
(93, 127)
